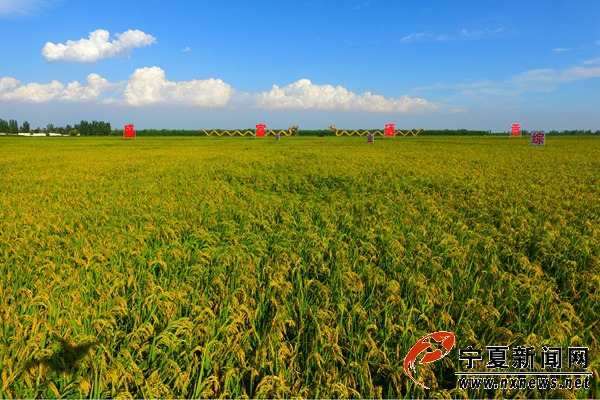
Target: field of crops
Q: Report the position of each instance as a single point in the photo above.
(233, 267)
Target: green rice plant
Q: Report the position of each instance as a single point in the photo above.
(238, 267)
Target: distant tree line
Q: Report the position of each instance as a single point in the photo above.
(94, 128)
(101, 128)
(326, 132)
(84, 128)
(303, 132)
(566, 132)
(10, 126)
(161, 132)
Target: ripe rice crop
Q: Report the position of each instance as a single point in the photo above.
(241, 267)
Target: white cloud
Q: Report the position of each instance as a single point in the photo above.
(22, 7)
(592, 61)
(8, 84)
(536, 80)
(186, 49)
(553, 76)
(416, 37)
(478, 33)
(145, 86)
(97, 46)
(303, 94)
(461, 34)
(36, 92)
(96, 87)
(358, 7)
(150, 86)
(11, 89)
(458, 110)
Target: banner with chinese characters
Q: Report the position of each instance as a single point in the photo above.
(515, 130)
(260, 130)
(390, 130)
(129, 131)
(538, 138)
(522, 366)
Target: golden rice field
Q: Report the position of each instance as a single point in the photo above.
(241, 267)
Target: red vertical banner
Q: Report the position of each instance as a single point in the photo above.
(390, 130)
(129, 132)
(260, 130)
(515, 130)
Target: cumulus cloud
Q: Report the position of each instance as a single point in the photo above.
(150, 86)
(97, 46)
(145, 86)
(12, 89)
(303, 94)
(8, 84)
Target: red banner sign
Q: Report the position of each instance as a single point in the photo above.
(515, 130)
(129, 132)
(390, 129)
(260, 130)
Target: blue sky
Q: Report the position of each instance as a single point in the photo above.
(355, 64)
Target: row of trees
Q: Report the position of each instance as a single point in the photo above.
(568, 132)
(302, 132)
(10, 126)
(161, 132)
(326, 132)
(84, 128)
(101, 128)
(94, 128)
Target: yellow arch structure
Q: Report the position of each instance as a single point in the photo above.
(408, 133)
(232, 133)
(290, 131)
(334, 129)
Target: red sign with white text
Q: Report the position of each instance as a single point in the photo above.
(260, 130)
(390, 129)
(515, 130)
(129, 132)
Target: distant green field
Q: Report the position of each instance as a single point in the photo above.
(234, 267)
